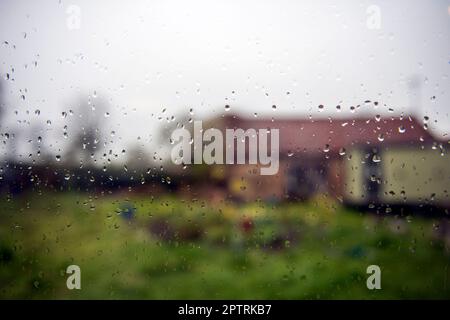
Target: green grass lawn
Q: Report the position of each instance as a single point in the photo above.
(175, 249)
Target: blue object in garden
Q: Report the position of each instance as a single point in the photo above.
(127, 211)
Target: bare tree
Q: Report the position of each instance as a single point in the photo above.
(1, 104)
(86, 131)
(181, 120)
(10, 137)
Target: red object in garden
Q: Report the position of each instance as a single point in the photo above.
(247, 225)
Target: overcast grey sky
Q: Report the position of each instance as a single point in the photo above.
(145, 56)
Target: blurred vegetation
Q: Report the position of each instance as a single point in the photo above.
(168, 248)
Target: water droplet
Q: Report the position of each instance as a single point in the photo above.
(376, 158)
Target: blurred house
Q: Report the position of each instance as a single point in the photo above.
(359, 161)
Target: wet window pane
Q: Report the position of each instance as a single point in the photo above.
(224, 150)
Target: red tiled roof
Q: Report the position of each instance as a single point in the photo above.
(310, 136)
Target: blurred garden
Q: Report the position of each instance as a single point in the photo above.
(135, 246)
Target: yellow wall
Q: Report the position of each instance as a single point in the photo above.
(410, 175)
(413, 175)
(353, 177)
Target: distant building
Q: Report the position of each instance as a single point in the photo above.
(359, 161)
